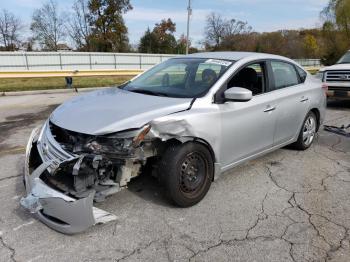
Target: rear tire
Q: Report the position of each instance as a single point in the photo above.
(307, 133)
(186, 171)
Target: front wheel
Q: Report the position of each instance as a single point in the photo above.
(187, 172)
(307, 133)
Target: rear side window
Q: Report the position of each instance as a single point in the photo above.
(284, 74)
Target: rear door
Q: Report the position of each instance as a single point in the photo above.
(291, 96)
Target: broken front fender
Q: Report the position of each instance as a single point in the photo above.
(57, 210)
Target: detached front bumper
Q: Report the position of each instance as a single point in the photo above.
(57, 210)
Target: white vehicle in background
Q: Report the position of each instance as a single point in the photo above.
(337, 78)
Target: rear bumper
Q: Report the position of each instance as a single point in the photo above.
(57, 210)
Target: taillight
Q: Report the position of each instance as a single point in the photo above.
(325, 88)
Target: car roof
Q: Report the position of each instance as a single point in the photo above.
(234, 56)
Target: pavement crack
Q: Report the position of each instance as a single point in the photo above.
(11, 249)
(273, 179)
(138, 249)
(9, 177)
(333, 248)
(310, 220)
(261, 216)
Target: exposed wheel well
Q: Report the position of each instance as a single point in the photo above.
(175, 141)
(317, 114)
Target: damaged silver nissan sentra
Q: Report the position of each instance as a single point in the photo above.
(189, 118)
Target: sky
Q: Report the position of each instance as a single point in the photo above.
(262, 15)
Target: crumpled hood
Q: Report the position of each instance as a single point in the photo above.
(336, 67)
(111, 110)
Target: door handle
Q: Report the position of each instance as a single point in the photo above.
(304, 99)
(269, 109)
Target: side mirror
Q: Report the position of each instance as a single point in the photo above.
(238, 94)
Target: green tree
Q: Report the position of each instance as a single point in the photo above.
(310, 46)
(335, 30)
(342, 15)
(181, 45)
(161, 40)
(109, 33)
(148, 43)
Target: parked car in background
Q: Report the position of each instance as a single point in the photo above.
(189, 118)
(336, 78)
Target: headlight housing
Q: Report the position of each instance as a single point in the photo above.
(120, 143)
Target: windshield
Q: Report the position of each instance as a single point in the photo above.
(180, 77)
(345, 59)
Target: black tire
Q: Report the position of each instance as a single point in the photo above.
(186, 171)
(301, 143)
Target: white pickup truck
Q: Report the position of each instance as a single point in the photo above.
(336, 78)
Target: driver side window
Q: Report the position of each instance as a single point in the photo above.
(251, 77)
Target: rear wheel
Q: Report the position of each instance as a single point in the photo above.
(187, 172)
(307, 133)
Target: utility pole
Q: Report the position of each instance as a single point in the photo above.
(189, 9)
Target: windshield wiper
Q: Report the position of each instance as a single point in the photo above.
(148, 92)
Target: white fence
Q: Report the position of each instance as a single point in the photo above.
(309, 62)
(21, 61)
(31, 61)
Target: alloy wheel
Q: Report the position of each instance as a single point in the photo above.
(309, 130)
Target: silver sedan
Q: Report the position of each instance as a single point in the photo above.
(187, 119)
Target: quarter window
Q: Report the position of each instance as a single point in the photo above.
(284, 74)
(302, 74)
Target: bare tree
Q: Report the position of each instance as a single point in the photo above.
(215, 29)
(78, 26)
(48, 26)
(10, 27)
(236, 27)
(218, 29)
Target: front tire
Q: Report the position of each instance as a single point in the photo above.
(307, 133)
(187, 171)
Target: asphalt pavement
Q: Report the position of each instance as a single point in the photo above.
(285, 206)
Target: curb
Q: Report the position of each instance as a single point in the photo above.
(52, 91)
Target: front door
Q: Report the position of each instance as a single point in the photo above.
(248, 127)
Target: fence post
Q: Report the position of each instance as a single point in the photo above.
(60, 56)
(90, 61)
(140, 62)
(115, 61)
(26, 60)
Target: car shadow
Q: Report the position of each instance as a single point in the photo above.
(149, 189)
